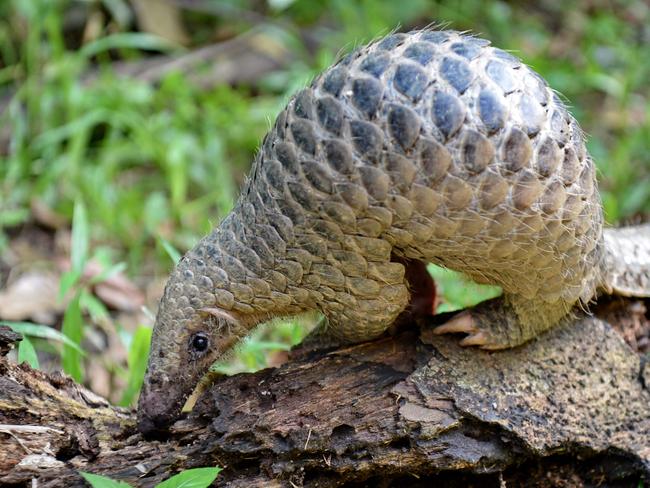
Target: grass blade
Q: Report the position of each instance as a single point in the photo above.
(137, 360)
(80, 237)
(191, 478)
(27, 353)
(42, 332)
(73, 329)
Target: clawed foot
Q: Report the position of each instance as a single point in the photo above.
(490, 326)
(465, 323)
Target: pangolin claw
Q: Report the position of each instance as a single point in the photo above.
(479, 338)
(463, 322)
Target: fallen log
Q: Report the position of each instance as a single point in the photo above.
(571, 408)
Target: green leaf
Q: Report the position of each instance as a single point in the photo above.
(42, 332)
(137, 360)
(12, 218)
(80, 239)
(171, 250)
(108, 272)
(457, 291)
(128, 40)
(98, 481)
(93, 306)
(73, 329)
(27, 353)
(68, 280)
(191, 478)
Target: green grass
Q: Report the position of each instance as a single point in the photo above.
(144, 169)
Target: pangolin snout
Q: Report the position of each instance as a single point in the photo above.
(159, 405)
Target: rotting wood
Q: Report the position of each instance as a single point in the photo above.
(411, 409)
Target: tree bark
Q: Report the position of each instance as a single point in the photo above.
(571, 408)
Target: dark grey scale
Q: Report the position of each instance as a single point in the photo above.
(560, 127)
(312, 243)
(292, 210)
(211, 251)
(329, 230)
(247, 211)
(340, 213)
(549, 157)
(338, 155)
(532, 114)
(227, 223)
(334, 80)
(537, 87)
(422, 52)
(266, 196)
(317, 176)
(274, 175)
(330, 114)
(234, 268)
(507, 57)
(410, 80)
(401, 171)
(434, 159)
(303, 195)
(267, 143)
(502, 75)
(437, 37)
(477, 41)
(303, 134)
(457, 73)
(198, 263)
(466, 49)
(517, 150)
(287, 156)
(376, 182)
(265, 253)
(303, 105)
(366, 95)
(492, 110)
(391, 42)
(354, 195)
(477, 151)
(272, 239)
(375, 64)
(349, 58)
(570, 166)
(366, 138)
(553, 198)
(448, 113)
(249, 258)
(577, 140)
(404, 125)
(282, 225)
(281, 124)
(586, 179)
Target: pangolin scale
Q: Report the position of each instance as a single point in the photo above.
(429, 146)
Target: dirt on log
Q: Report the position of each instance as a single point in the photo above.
(571, 408)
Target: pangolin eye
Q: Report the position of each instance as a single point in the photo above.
(200, 342)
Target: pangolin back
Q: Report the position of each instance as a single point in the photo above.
(429, 145)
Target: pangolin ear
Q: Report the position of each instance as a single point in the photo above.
(219, 313)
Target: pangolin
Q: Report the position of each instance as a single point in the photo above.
(430, 146)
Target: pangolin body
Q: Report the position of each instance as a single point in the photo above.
(430, 146)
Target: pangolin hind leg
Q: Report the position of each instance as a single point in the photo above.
(506, 321)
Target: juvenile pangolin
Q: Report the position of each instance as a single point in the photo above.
(430, 146)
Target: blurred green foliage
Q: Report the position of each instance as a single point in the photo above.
(167, 160)
(146, 168)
